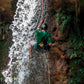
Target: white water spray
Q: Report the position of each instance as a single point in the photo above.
(26, 19)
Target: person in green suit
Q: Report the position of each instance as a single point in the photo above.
(43, 39)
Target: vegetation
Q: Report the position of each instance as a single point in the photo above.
(5, 42)
(1, 64)
(70, 29)
(5, 34)
(4, 28)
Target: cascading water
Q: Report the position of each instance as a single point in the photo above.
(26, 19)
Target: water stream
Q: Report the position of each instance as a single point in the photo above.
(26, 19)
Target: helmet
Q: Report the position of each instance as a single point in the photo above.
(44, 26)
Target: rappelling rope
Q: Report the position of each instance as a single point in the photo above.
(41, 9)
(48, 67)
(46, 53)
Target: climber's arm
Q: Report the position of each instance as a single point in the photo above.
(49, 44)
(40, 24)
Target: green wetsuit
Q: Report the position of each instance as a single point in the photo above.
(40, 34)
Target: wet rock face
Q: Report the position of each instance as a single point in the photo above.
(38, 67)
(58, 64)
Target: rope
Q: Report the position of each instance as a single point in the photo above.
(42, 10)
(46, 53)
(48, 67)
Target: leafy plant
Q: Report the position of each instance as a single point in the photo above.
(69, 28)
(1, 79)
(3, 30)
(63, 20)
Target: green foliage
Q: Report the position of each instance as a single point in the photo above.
(5, 42)
(1, 79)
(77, 54)
(75, 34)
(82, 2)
(3, 30)
(63, 18)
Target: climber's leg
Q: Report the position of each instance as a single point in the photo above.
(65, 51)
(30, 49)
(60, 51)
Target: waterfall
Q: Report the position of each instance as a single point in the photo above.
(26, 19)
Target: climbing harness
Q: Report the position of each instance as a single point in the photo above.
(41, 44)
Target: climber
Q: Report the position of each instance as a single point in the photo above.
(43, 39)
